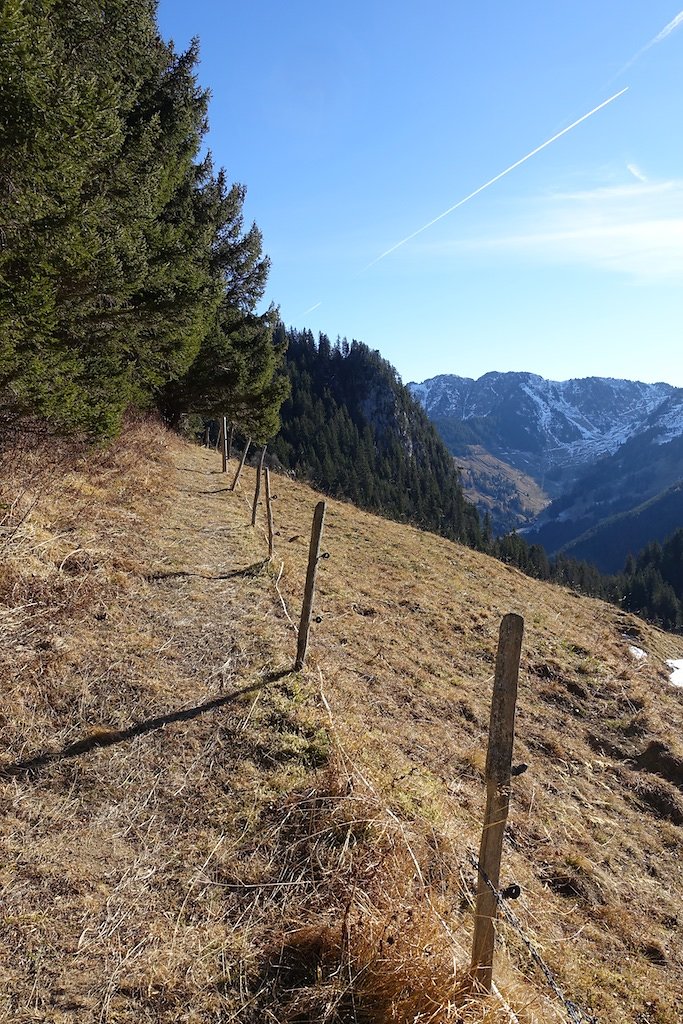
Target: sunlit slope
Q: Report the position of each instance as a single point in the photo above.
(256, 845)
(510, 497)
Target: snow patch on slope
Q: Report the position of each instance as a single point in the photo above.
(671, 425)
(638, 653)
(676, 667)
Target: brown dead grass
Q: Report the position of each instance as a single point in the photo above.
(492, 484)
(193, 833)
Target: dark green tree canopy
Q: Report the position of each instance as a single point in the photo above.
(353, 430)
(121, 249)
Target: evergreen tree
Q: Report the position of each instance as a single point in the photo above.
(121, 251)
(238, 368)
(99, 148)
(353, 429)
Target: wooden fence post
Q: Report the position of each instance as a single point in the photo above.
(224, 439)
(269, 511)
(241, 465)
(498, 765)
(257, 486)
(307, 607)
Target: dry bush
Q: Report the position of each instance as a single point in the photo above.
(377, 947)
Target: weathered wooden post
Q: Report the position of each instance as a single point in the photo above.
(498, 765)
(257, 486)
(224, 438)
(269, 511)
(241, 465)
(307, 607)
(207, 435)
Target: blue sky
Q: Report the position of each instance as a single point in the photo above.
(355, 124)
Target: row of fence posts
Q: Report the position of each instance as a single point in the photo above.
(498, 771)
(224, 443)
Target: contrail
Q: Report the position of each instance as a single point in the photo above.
(310, 309)
(502, 174)
(666, 31)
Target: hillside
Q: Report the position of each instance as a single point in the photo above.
(510, 498)
(194, 833)
(608, 499)
(599, 446)
(351, 429)
(608, 544)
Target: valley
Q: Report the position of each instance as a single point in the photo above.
(600, 449)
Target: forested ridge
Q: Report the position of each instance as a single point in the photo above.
(650, 584)
(351, 428)
(127, 275)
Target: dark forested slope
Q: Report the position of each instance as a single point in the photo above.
(353, 429)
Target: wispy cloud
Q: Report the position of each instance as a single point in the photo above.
(636, 172)
(660, 37)
(634, 229)
(667, 30)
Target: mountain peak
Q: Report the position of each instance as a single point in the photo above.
(598, 446)
(542, 424)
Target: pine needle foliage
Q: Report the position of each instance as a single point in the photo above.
(120, 246)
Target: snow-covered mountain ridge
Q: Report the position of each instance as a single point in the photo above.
(607, 454)
(541, 426)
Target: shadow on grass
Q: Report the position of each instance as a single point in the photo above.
(249, 570)
(109, 737)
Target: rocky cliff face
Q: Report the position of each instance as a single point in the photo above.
(382, 407)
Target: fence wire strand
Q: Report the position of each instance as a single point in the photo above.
(574, 1012)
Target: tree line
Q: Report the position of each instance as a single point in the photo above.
(128, 277)
(650, 584)
(352, 429)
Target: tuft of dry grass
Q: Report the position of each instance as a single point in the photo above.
(193, 832)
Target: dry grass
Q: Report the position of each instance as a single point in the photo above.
(191, 832)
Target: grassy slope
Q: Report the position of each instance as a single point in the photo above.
(297, 849)
(511, 498)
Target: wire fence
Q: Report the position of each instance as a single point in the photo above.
(574, 1012)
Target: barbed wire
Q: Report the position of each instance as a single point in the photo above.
(574, 1012)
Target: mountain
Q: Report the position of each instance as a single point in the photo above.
(600, 447)
(623, 500)
(352, 429)
(608, 544)
(548, 429)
